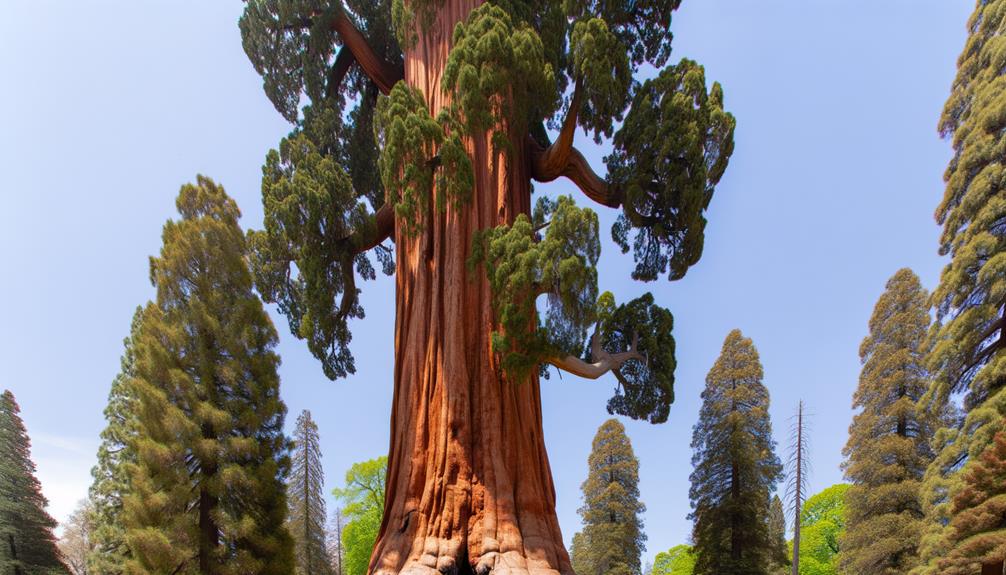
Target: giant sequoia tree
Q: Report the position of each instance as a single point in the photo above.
(888, 449)
(612, 540)
(206, 492)
(736, 467)
(969, 353)
(426, 123)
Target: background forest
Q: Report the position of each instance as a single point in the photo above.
(832, 186)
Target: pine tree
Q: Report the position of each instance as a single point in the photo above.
(116, 450)
(735, 466)
(426, 124)
(27, 542)
(305, 490)
(206, 492)
(888, 448)
(334, 541)
(612, 541)
(968, 357)
(777, 537)
(797, 480)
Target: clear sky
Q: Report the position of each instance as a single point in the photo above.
(108, 106)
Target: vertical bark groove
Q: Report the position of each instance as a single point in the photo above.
(469, 487)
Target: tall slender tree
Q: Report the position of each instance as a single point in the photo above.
(459, 95)
(27, 542)
(206, 492)
(334, 541)
(612, 541)
(797, 479)
(109, 551)
(888, 449)
(969, 352)
(777, 536)
(736, 467)
(306, 492)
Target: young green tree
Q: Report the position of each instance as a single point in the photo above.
(363, 497)
(117, 449)
(678, 560)
(735, 466)
(888, 449)
(306, 493)
(969, 352)
(27, 542)
(777, 537)
(206, 492)
(426, 123)
(612, 541)
(823, 520)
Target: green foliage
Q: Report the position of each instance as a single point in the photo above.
(498, 74)
(645, 388)
(410, 140)
(520, 268)
(736, 467)
(888, 449)
(29, 545)
(314, 221)
(363, 499)
(305, 492)
(669, 155)
(822, 526)
(604, 72)
(115, 453)
(206, 491)
(678, 560)
(777, 537)
(612, 539)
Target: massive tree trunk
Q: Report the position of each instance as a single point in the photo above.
(469, 486)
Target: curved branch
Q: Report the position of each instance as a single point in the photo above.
(555, 157)
(376, 68)
(337, 73)
(384, 228)
(603, 362)
(577, 170)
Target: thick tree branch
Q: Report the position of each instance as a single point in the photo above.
(603, 362)
(554, 158)
(376, 68)
(337, 73)
(384, 228)
(578, 171)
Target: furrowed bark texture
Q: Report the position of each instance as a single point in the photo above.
(469, 487)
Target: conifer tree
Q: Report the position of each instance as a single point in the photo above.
(111, 482)
(427, 124)
(736, 467)
(797, 480)
(777, 536)
(334, 541)
(612, 541)
(306, 493)
(888, 448)
(968, 357)
(206, 492)
(27, 542)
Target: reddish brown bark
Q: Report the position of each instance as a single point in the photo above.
(993, 569)
(469, 486)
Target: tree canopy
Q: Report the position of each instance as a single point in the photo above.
(363, 500)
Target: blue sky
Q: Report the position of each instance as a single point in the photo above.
(108, 106)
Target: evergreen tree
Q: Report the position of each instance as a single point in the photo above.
(612, 541)
(27, 542)
(108, 541)
(334, 541)
(777, 536)
(969, 340)
(735, 466)
(888, 448)
(426, 123)
(206, 492)
(305, 489)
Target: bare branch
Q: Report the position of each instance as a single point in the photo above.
(377, 69)
(603, 362)
(578, 171)
(337, 73)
